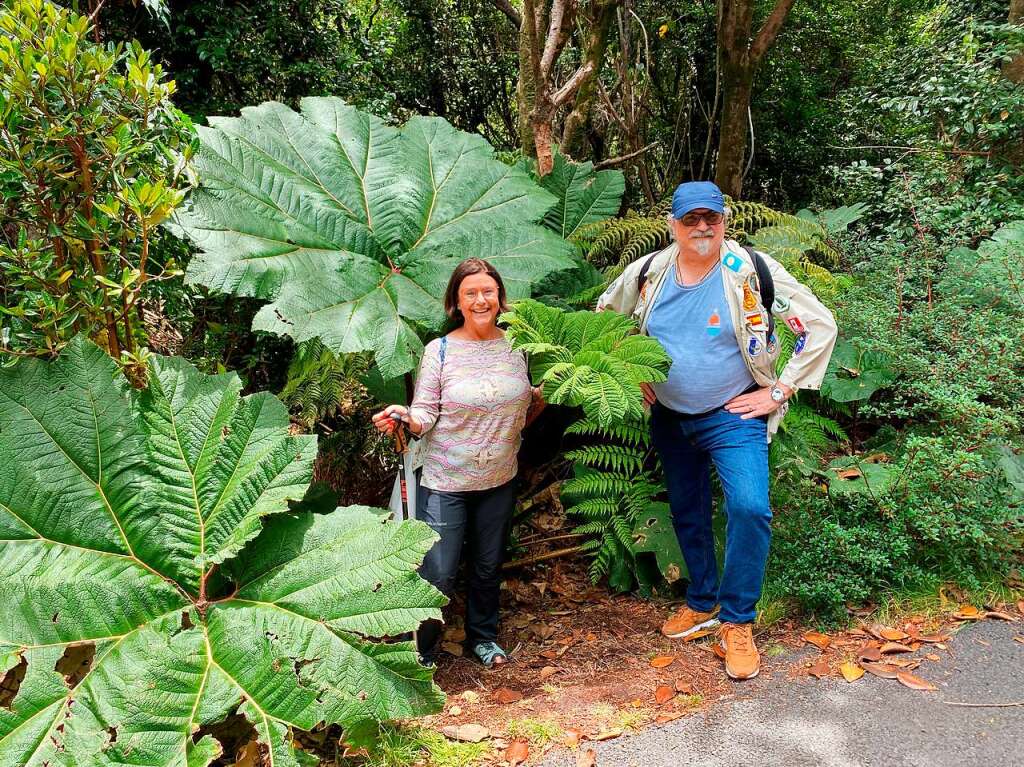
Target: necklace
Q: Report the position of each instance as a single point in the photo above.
(699, 280)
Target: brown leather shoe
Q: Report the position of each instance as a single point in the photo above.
(686, 622)
(742, 660)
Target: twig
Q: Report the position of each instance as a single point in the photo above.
(916, 149)
(984, 705)
(612, 161)
(542, 557)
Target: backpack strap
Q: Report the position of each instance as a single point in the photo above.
(441, 352)
(641, 278)
(765, 284)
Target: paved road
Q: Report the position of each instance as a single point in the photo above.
(802, 722)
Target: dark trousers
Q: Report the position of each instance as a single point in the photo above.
(738, 448)
(480, 518)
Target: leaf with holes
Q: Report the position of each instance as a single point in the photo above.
(163, 585)
(351, 227)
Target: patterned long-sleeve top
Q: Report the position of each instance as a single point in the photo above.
(472, 409)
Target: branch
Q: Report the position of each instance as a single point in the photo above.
(506, 7)
(622, 158)
(770, 30)
(558, 35)
(565, 93)
(542, 557)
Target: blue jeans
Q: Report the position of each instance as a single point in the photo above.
(688, 445)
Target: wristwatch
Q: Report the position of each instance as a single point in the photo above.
(777, 394)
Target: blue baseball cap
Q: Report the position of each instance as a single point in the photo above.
(697, 194)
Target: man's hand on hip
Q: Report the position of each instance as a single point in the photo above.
(756, 403)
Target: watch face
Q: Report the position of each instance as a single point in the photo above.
(777, 394)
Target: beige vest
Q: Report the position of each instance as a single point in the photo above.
(794, 305)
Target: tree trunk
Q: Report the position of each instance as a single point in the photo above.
(526, 86)
(602, 13)
(741, 53)
(732, 145)
(1014, 69)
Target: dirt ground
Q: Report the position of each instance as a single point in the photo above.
(589, 666)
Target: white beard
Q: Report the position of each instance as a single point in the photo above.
(703, 245)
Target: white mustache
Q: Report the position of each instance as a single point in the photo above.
(701, 235)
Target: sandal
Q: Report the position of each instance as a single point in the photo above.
(489, 653)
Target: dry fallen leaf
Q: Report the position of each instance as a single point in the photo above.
(1019, 639)
(662, 660)
(890, 647)
(452, 648)
(572, 737)
(1020, 605)
(517, 753)
(892, 635)
(820, 669)
(1000, 616)
(883, 670)
(547, 672)
(931, 638)
(932, 656)
(591, 637)
(249, 756)
(586, 758)
(851, 671)
(684, 687)
(914, 682)
(968, 613)
(663, 694)
(506, 696)
(821, 641)
(848, 473)
(667, 716)
(870, 653)
(470, 733)
(607, 734)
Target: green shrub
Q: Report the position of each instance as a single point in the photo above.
(92, 154)
(949, 513)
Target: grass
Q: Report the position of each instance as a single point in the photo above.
(537, 731)
(403, 746)
(934, 599)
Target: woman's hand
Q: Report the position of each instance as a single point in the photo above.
(387, 424)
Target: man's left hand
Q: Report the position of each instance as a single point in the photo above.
(756, 403)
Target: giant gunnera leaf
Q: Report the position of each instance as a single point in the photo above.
(153, 582)
(351, 227)
(594, 360)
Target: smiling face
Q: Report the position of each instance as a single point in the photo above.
(479, 300)
(696, 235)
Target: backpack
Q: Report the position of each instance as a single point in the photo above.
(765, 282)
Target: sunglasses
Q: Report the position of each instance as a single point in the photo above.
(710, 217)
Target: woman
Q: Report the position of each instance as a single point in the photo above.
(470, 404)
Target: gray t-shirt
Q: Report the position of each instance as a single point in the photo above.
(694, 325)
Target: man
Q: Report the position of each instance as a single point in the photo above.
(701, 297)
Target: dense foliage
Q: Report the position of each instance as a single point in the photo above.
(162, 584)
(92, 154)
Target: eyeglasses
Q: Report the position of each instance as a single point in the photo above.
(710, 217)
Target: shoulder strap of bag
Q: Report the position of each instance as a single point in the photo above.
(765, 284)
(641, 278)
